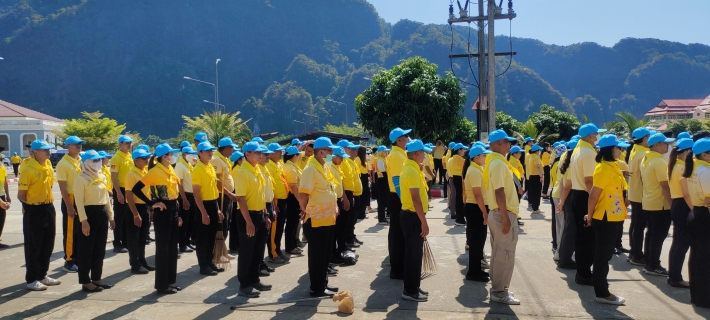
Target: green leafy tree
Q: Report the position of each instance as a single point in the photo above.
(100, 133)
(217, 125)
(617, 128)
(564, 124)
(530, 130)
(466, 132)
(412, 95)
(509, 124)
(354, 130)
(694, 125)
(677, 127)
(631, 121)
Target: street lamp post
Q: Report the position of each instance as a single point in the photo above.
(317, 119)
(216, 78)
(210, 102)
(210, 83)
(304, 125)
(345, 107)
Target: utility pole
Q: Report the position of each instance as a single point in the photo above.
(482, 114)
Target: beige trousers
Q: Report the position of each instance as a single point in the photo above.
(502, 251)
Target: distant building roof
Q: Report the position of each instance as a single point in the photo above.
(9, 110)
(675, 106)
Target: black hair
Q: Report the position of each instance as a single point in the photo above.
(374, 150)
(672, 158)
(288, 157)
(568, 159)
(466, 164)
(606, 154)
(362, 154)
(220, 149)
(668, 134)
(630, 148)
(700, 134)
(154, 160)
(689, 165)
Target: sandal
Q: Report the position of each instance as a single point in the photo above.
(175, 287)
(95, 289)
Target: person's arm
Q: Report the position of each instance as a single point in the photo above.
(686, 193)
(117, 188)
(137, 221)
(428, 170)
(137, 190)
(565, 193)
(22, 196)
(204, 217)
(592, 204)
(500, 200)
(7, 193)
(589, 183)
(540, 171)
(185, 203)
(65, 197)
(478, 194)
(303, 202)
(419, 208)
(666, 191)
(244, 209)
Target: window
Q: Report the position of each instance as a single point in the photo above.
(658, 117)
(671, 117)
(707, 116)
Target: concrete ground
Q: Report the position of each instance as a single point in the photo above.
(546, 292)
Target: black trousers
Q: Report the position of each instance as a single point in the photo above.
(38, 228)
(92, 248)
(137, 236)
(476, 233)
(534, 188)
(554, 223)
(166, 244)
(567, 246)
(584, 242)
(605, 233)
(70, 228)
(439, 169)
(320, 242)
(395, 237)
(639, 221)
(659, 222)
(15, 167)
(227, 207)
(277, 229)
(293, 214)
(351, 215)
(681, 239)
(205, 234)
(699, 223)
(123, 218)
(383, 193)
(546, 184)
(458, 202)
(446, 185)
(413, 251)
(340, 231)
(251, 250)
(3, 215)
(233, 228)
(188, 219)
(365, 197)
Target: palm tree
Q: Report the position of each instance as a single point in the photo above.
(631, 121)
(218, 124)
(530, 130)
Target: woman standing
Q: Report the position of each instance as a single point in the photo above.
(514, 159)
(292, 172)
(365, 181)
(237, 158)
(558, 218)
(476, 212)
(535, 177)
(545, 158)
(138, 227)
(679, 213)
(381, 182)
(96, 215)
(163, 183)
(606, 211)
(455, 168)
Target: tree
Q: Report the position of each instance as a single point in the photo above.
(631, 121)
(694, 125)
(677, 127)
(617, 128)
(509, 124)
(217, 125)
(466, 132)
(530, 130)
(100, 133)
(564, 124)
(412, 95)
(355, 130)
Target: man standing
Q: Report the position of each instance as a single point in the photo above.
(639, 218)
(223, 168)
(395, 237)
(503, 204)
(439, 151)
(67, 170)
(275, 167)
(15, 159)
(188, 207)
(121, 163)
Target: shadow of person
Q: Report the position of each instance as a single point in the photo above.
(376, 228)
(587, 296)
(386, 291)
(19, 290)
(473, 294)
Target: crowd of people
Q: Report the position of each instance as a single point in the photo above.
(250, 199)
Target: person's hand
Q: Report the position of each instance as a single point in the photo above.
(137, 221)
(337, 212)
(112, 225)
(542, 180)
(85, 228)
(521, 191)
(232, 197)
(346, 204)
(205, 219)
(506, 226)
(220, 215)
(186, 205)
(626, 173)
(119, 197)
(559, 207)
(70, 211)
(159, 205)
(250, 229)
(268, 222)
(627, 203)
(588, 220)
(425, 229)
(4, 205)
(8, 201)
(485, 219)
(276, 210)
(179, 222)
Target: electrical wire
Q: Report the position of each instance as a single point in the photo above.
(451, 60)
(510, 39)
(468, 51)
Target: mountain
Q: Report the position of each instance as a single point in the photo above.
(291, 60)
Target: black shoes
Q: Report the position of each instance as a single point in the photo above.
(95, 289)
(216, 269)
(334, 289)
(103, 286)
(147, 266)
(677, 284)
(325, 293)
(261, 287)
(168, 291)
(120, 250)
(139, 270)
(572, 266)
(186, 250)
(208, 272)
(355, 239)
(249, 292)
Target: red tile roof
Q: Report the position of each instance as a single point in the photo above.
(8, 110)
(680, 103)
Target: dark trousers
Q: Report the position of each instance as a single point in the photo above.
(92, 248)
(340, 231)
(584, 242)
(320, 242)
(395, 237)
(439, 171)
(659, 222)
(351, 215)
(38, 228)
(205, 234)
(639, 221)
(3, 215)
(70, 228)
(188, 219)
(251, 250)
(383, 193)
(123, 218)
(681, 239)
(226, 206)
(446, 184)
(293, 215)
(546, 184)
(365, 197)
(554, 223)
(137, 236)
(458, 201)
(16, 166)
(233, 228)
(413, 250)
(277, 229)
(476, 233)
(605, 233)
(534, 191)
(699, 223)
(166, 245)
(566, 247)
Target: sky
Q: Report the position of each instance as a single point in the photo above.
(565, 22)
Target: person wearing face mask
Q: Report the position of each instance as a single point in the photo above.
(67, 170)
(163, 184)
(350, 180)
(139, 224)
(96, 217)
(183, 170)
(359, 207)
(395, 238)
(223, 167)
(383, 191)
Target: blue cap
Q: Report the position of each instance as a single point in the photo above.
(236, 156)
(201, 137)
(338, 151)
(140, 153)
(382, 148)
(459, 146)
(557, 143)
(515, 149)
(641, 132)
(322, 142)
(498, 135)
(105, 154)
(535, 148)
(296, 142)
(684, 135)
(227, 142)
(205, 146)
(144, 147)
(398, 132)
(452, 144)
(73, 140)
(416, 145)
(684, 144)
(589, 129)
(14, 153)
(353, 146)
(184, 144)
(659, 137)
(572, 144)
(478, 143)
(91, 155)
(265, 150)
(291, 151)
(40, 145)
(576, 137)
(528, 139)
(252, 146)
(429, 145)
(275, 147)
(188, 150)
(163, 149)
(609, 140)
(701, 146)
(258, 140)
(124, 138)
(343, 143)
(477, 150)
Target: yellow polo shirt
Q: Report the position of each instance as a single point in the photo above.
(318, 183)
(499, 176)
(439, 152)
(91, 192)
(132, 177)
(184, 171)
(279, 180)
(292, 172)
(699, 183)
(67, 170)
(338, 175)
(653, 172)
(303, 161)
(361, 166)
(474, 179)
(676, 176)
(413, 178)
(37, 180)
(223, 168)
(608, 177)
(348, 176)
(545, 159)
(3, 179)
(251, 184)
(357, 184)
(395, 163)
(15, 159)
(23, 164)
(555, 179)
(455, 166)
(635, 184)
(205, 176)
(163, 182)
(515, 162)
(428, 163)
(533, 160)
(121, 163)
(582, 164)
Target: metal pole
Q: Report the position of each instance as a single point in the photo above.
(491, 65)
(483, 112)
(216, 87)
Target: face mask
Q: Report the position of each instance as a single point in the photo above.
(190, 158)
(173, 159)
(329, 158)
(96, 166)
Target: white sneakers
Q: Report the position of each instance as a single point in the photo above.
(506, 299)
(47, 281)
(42, 285)
(617, 302)
(231, 257)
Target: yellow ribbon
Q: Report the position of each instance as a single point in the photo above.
(490, 158)
(650, 156)
(324, 171)
(76, 163)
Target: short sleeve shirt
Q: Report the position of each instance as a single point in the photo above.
(292, 172)
(699, 185)
(277, 174)
(474, 179)
(185, 175)
(413, 178)
(655, 172)
(251, 185)
(3, 178)
(611, 200)
(395, 163)
(545, 159)
(338, 175)
(204, 176)
(582, 165)
(132, 177)
(223, 168)
(67, 170)
(674, 182)
(635, 184)
(499, 176)
(533, 162)
(455, 165)
(37, 180)
(322, 202)
(121, 163)
(163, 182)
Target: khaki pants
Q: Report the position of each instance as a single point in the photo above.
(502, 251)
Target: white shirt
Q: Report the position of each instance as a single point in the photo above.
(185, 177)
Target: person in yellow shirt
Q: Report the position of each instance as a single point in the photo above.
(106, 171)
(351, 180)
(415, 205)
(476, 212)
(514, 158)
(292, 174)
(68, 168)
(395, 237)
(96, 217)
(361, 162)
(320, 207)
(341, 221)
(357, 207)
(38, 219)
(428, 169)
(656, 201)
(280, 186)
(679, 213)
(307, 151)
(138, 226)
(545, 158)
(445, 162)
(455, 171)
(15, 159)
(225, 184)
(4, 202)
(438, 154)
(558, 219)
(606, 211)
(535, 178)
(383, 191)
(567, 245)
(188, 207)
(200, 137)
(237, 159)
(121, 164)
(203, 181)
(639, 218)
